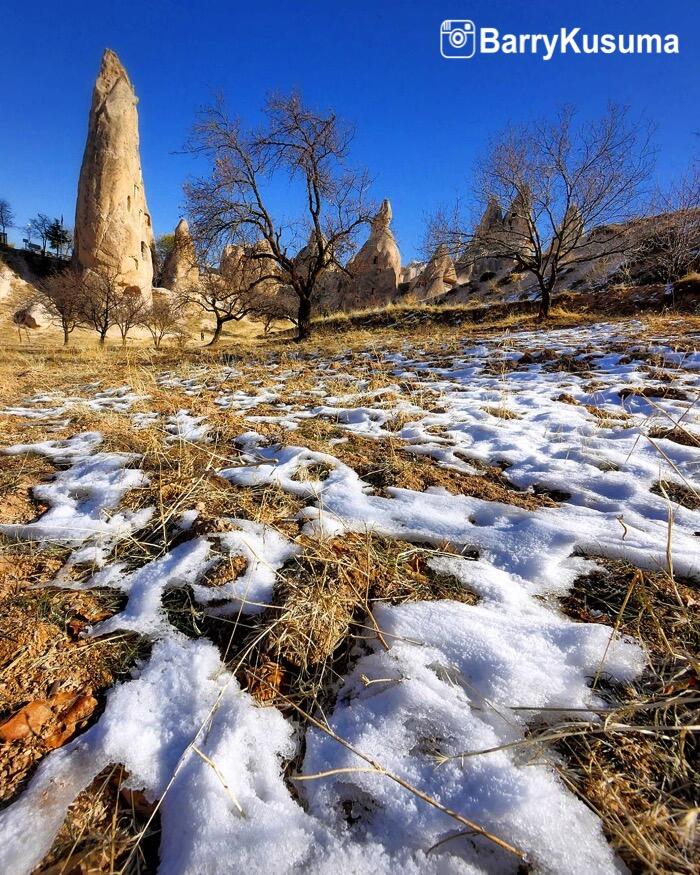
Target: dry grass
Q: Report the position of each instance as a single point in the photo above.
(323, 606)
(639, 771)
(102, 832)
(295, 653)
(678, 493)
(389, 462)
(677, 435)
(610, 418)
(502, 412)
(41, 653)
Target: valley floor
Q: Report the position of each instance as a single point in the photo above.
(421, 601)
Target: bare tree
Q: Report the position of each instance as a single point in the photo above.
(129, 310)
(307, 147)
(569, 187)
(102, 296)
(227, 293)
(62, 295)
(162, 318)
(672, 248)
(272, 305)
(41, 226)
(7, 216)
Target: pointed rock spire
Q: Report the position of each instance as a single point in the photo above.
(571, 228)
(517, 222)
(376, 268)
(438, 277)
(492, 217)
(112, 224)
(179, 269)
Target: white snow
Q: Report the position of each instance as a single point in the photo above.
(449, 703)
(266, 551)
(83, 499)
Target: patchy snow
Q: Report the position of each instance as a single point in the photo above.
(82, 499)
(265, 551)
(182, 426)
(446, 705)
(53, 404)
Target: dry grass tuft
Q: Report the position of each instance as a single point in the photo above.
(42, 655)
(102, 829)
(389, 463)
(678, 493)
(641, 778)
(502, 412)
(609, 418)
(322, 605)
(677, 435)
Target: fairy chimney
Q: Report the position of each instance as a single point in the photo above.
(113, 230)
(477, 256)
(179, 270)
(376, 268)
(438, 277)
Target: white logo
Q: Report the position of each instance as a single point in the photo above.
(457, 39)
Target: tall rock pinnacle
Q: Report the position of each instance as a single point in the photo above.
(376, 268)
(113, 229)
(179, 270)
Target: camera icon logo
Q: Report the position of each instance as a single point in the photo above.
(457, 39)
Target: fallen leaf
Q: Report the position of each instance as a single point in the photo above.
(54, 720)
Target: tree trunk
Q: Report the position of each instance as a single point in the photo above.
(65, 336)
(217, 333)
(304, 318)
(103, 337)
(545, 302)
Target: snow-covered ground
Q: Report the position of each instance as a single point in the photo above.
(420, 764)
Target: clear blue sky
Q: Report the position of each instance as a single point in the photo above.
(421, 120)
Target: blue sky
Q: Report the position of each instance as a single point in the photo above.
(421, 120)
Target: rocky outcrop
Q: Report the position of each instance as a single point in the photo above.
(329, 283)
(13, 286)
(375, 271)
(33, 316)
(495, 241)
(230, 263)
(516, 224)
(252, 269)
(477, 257)
(410, 271)
(180, 267)
(572, 230)
(438, 277)
(113, 230)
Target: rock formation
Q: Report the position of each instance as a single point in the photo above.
(571, 229)
(495, 241)
(250, 269)
(412, 270)
(478, 257)
(376, 269)
(180, 267)
(18, 293)
(33, 316)
(112, 224)
(329, 283)
(516, 224)
(438, 277)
